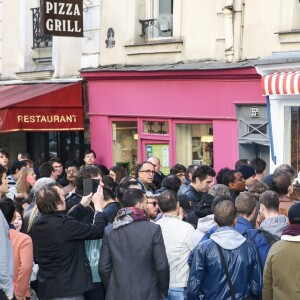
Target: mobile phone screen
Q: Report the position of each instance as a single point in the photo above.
(87, 186)
(90, 186)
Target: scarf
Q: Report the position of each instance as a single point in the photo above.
(128, 215)
(293, 230)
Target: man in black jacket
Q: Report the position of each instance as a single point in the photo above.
(133, 262)
(202, 180)
(58, 244)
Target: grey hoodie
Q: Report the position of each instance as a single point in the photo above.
(6, 259)
(228, 238)
(275, 225)
(204, 224)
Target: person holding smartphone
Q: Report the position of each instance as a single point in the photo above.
(64, 270)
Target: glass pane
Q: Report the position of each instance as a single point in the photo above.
(125, 143)
(295, 142)
(53, 146)
(162, 152)
(165, 19)
(156, 127)
(194, 144)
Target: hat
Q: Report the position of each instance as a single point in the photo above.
(268, 180)
(218, 189)
(294, 214)
(41, 183)
(247, 171)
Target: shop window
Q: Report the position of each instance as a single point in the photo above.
(295, 140)
(156, 127)
(194, 144)
(159, 22)
(124, 137)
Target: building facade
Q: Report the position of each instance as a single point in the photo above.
(176, 80)
(161, 77)
(181, 116)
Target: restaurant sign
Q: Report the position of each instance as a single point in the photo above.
(62, 18)
(41, 119)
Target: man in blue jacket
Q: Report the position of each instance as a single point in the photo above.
(207, 276)
(245, 204)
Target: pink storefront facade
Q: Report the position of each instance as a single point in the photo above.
(169, 114)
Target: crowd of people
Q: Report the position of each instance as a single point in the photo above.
(191, 234)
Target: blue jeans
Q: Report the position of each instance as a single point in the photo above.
(176, 294)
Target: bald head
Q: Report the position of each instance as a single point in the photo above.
(156, 162)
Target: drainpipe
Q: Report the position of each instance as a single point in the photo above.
(228, 27)
(270, 130)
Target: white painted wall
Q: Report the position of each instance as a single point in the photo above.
(199, 32)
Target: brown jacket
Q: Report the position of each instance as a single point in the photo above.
(284, 205)
(281, 273)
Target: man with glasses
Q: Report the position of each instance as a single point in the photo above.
(152, 206)
(71, 170)
(145, 175)
(133, 263)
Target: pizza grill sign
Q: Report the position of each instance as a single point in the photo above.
(62, 17)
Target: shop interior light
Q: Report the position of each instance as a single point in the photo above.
(207, 139)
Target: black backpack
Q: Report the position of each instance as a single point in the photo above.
(251, 234)
(269, 237)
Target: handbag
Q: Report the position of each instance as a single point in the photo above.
(92, 248)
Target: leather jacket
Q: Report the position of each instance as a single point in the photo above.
(207, 276)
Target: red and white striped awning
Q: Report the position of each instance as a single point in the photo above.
(281, 84)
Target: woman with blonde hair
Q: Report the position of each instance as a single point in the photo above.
(24, 184)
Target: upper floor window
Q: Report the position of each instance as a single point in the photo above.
(159, 22)
(39, 41)
(156, 127)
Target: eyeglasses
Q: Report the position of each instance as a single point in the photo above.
(148, 172)
(150, 202)
(72, 171)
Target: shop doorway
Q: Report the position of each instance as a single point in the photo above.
(160, 149)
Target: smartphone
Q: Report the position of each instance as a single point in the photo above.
(90, 186)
